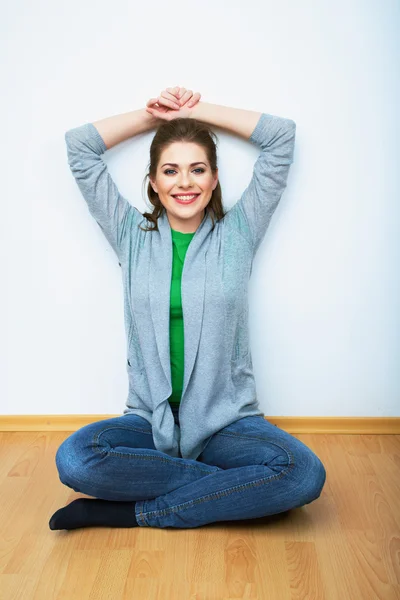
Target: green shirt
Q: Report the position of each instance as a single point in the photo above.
(180, 244)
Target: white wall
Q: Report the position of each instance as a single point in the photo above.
(325, 288)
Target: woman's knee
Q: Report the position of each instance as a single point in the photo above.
(64, 459)
(319, 477)
(315, 478)
(70, 456)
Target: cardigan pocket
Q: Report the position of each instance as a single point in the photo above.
(241, 366)
(134, 350)
(241, 348)
(237, 356)
(243, 379)
(135, 367)
(137, 380)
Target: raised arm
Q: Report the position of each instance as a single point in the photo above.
(275, 136)
(85, 145)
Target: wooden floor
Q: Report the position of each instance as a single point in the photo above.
(343, 546)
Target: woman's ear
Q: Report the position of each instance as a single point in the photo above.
(215, 180)
(153, 185)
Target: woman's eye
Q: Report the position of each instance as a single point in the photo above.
(198, 169)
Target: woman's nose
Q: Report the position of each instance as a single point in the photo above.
(185, 180)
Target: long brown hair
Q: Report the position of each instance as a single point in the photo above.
(182, 130)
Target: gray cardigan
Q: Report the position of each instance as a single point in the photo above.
(219, 386)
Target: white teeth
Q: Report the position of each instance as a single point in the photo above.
(186, 197)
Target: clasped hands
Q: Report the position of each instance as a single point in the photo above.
(173, 103)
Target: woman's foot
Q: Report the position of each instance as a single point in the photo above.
(86, 512)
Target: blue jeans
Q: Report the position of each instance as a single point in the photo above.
(249, 469)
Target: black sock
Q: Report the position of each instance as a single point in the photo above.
(86, 512)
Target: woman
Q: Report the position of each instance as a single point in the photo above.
(192, 446)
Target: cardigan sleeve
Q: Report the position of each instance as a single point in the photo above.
(113, 213)
(252, 214)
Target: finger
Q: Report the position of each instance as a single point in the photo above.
(155, 113)
(178, 92)
(186, 96)
(174, 92)
(168, 100)
(171, 94)
(167, 104)
(196, 97)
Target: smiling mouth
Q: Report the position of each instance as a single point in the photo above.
(191, 198)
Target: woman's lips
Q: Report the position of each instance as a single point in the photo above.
(186, 201)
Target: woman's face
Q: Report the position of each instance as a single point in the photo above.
(184, 177)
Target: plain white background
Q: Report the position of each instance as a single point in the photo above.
(325, 287)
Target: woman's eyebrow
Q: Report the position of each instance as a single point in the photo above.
(176, 165)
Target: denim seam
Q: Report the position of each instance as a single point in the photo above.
(250, 437)
(74, 480)
(256, 437)
(177, 508)
(99, 450)
(100, 431)
(141, 520)
(79, 483)
(95, 446)
(159, 458)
